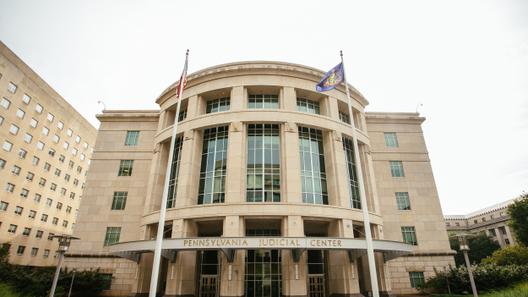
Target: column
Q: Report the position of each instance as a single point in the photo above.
(181, 274)
(235, 178)
(289, 101)
(291, 174)
(188, 176)
(237, 100)
(232, 274)
(337, 174)
(294, 275)
(193, 107)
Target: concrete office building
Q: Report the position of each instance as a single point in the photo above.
(263, 192)
(492, 221)
(46, 147)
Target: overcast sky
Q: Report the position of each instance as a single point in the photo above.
(465, 61)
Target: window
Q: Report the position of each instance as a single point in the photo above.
(72, 195)
(26, 98)
(175, 168)
(132, 138)
(60, 125)
(12, 228)
(16, 170)
(32, 214)
(55, 221)
(417, 279)
(69, 132)
(11, 87)
(20, 113)
(1, 120)
(74, 151)
(28, 138)
(402, 201)
(24, 193)
(263, 102)
(30, 176)
(37, 197)
(125, 168)
(2, 163)
(22, 153)
(13, 129)
(502, 230)
(50, 117)
(390, 139)
(217, 105)
(42, 182)
(66, 145)
(47, 166)
(44, 217)
(39, 234)
(313, 174)
(112, 235)
(33, 123)
(263, 163)
(348, 147)
(63, 191)
(75, 182)
(79, 169)
(309, 106)
(65, 224)
(409, 235)
(82, 157)
(51, 152)
(50, 236)
(67, 177)
(20, 250)
(213, 167)
(34, 251)
(62, 158)
(45, 131)
(85, 145)
(35, 161)
(7, 146)
(181, 116)
(26, 231)
(49, 202)
(55, 138)
(10, 188)
(77, 139)
(344, 117)
(18, 210)
(46, 253)
(59, 206)
(5, 103)
(68, 209)
(396, 168)
(57, 172)
(53, 186)
(40, 145)
(39, 108)
(492, 232)
(3, 205)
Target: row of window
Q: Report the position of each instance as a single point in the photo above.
(16, 170)
(34, 251)
(32, 213)
(24, 193)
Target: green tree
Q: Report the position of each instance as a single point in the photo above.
(512, 255)
(518, 212)
(480, 247)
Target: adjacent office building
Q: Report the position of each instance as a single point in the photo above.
(263, 193)
(46, 147)
(492, 221)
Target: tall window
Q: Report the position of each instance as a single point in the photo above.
(313, 174)
(112, 235)
(402, 200)
(348, 146)
(217, 105)
(417, 279)
(119, 201)
(5, 103)
(344, 117)
(175, 169)
(305, 105)
(213, 167)
(125, 168)
(263, 163)
(263, 102)
(409, 235)
(390, 139)
(132, 138)
(396, 169)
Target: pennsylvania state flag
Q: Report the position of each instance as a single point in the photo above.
(331, 79)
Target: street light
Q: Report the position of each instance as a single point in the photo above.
(64, 244)
(464, 247)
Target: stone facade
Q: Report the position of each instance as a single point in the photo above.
(278, 99)
(45, 153)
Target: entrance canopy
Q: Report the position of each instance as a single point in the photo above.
(356, 247)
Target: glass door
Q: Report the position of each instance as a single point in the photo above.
(209, 274)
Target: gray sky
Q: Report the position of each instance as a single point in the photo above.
(465, 61)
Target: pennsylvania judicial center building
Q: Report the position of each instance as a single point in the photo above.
(263, 193)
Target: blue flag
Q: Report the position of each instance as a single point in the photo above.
(331, 79)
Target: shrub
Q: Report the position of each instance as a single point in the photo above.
(512, 255)
(487, 277)
(481, 246)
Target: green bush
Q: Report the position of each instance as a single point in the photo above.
(487, 277)
(512, 255)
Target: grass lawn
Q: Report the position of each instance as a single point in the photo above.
(7, 291)
(520, 290)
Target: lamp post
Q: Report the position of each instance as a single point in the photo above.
(64, 244)
(464, 247)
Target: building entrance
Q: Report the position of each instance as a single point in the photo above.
(316, 273)
(263, 273)
(209, 274)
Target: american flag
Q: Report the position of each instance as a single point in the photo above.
(183, 78)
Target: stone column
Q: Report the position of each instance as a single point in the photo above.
(235, 178)
(291, 174)
(333, 108)
(232, 274)
(188, 176)
(144, 271)
(237, 100)
(289, 99)
(181, 280)
(193, 107)
(294, 275)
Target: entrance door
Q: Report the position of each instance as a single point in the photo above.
(316, 274)
(263, 273)
(209, 272)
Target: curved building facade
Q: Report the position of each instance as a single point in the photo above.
(263, 194)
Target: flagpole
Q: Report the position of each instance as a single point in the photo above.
(362, 196)
(163, 209)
